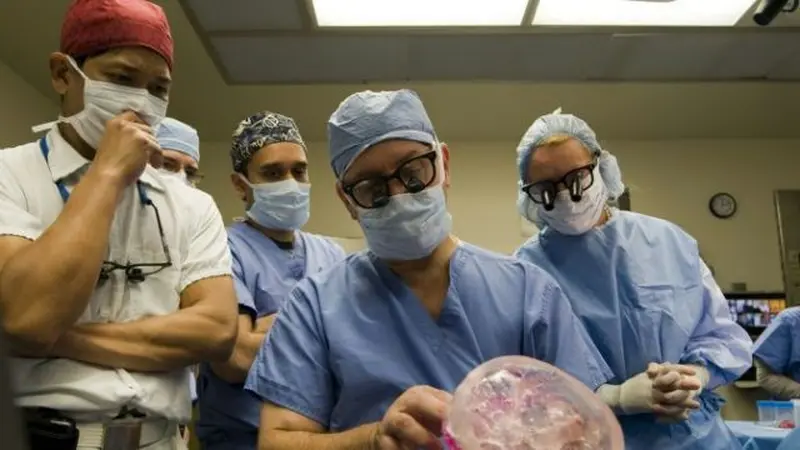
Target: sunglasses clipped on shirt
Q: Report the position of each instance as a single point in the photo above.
(138, 272)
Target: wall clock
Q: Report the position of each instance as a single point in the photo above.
(722, 205)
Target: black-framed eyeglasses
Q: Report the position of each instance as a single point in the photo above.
(575, 181)
(138, 272)
(415, 175)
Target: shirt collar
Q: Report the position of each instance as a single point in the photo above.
(65, 161)
(62, 158)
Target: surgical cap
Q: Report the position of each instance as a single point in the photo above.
(259, 130)
(368, 118)
(175, 135)
(94, 26)
(558, 124)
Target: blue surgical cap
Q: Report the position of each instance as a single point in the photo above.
(368, 118)
(558, 124)
(175, 135)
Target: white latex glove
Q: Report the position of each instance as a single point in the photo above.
(675, 388)
(634, 396)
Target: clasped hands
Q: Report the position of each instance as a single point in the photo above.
(674, 390)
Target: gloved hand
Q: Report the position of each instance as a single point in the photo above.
(675, 388)
(664, 389)
(634, 396)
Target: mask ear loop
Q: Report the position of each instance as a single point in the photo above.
(48, 125)
(437, 147)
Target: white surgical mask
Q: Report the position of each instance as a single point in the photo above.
(575, 218)
(283, 205)
(102, 101)
(179, 175)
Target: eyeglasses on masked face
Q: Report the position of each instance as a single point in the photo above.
(575, 181)
(415, 175)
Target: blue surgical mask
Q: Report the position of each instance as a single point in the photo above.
(409, 227)
(283, 205)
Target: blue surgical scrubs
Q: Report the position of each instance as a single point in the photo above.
(263, 275)
(351, 339)
(779, 345)
(643, 293)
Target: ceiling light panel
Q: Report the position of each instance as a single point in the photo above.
(419, 13)
(675, 13)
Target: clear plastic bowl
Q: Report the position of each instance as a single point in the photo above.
(519, 403)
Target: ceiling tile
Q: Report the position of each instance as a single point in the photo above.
(531, 57)
(754, 55)
(246, 15)
(307, 59)
(519, 57)
(788, 69)
(665, 57)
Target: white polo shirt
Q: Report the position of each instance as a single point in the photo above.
(195, 234)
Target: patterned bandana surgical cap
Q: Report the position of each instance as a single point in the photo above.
(259, 130)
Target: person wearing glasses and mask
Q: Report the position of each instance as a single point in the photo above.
(367, 353)
(270, 255)
(180, 149)
(639, 286)
(112, 282)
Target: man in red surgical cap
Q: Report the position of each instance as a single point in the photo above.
(113, 279)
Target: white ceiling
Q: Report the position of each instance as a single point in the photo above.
(205, 96)
(276, 41)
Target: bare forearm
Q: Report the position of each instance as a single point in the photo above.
(778, 385)
(154, 344)
(92, 344)
(235, 369)
(361, 438)
(46, 286)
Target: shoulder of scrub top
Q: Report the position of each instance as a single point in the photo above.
(788, 317)
(654, 229)
(333, 282)
(646, 222)
(333, 285)
(775, 347)
(332, 246)
(194, 200)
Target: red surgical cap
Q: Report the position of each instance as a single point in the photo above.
(94, 26)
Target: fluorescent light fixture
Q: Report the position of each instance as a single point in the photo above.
(419, 13)
(675, 13)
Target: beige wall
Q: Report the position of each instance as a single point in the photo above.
(21, 107)
(673, 180)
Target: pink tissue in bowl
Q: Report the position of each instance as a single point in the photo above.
(519, 403)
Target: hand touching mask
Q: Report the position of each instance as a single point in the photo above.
(102, 101)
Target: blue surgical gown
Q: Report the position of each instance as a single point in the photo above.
(779, 345)
(644, 295)
(351, 339)
(263, 275)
